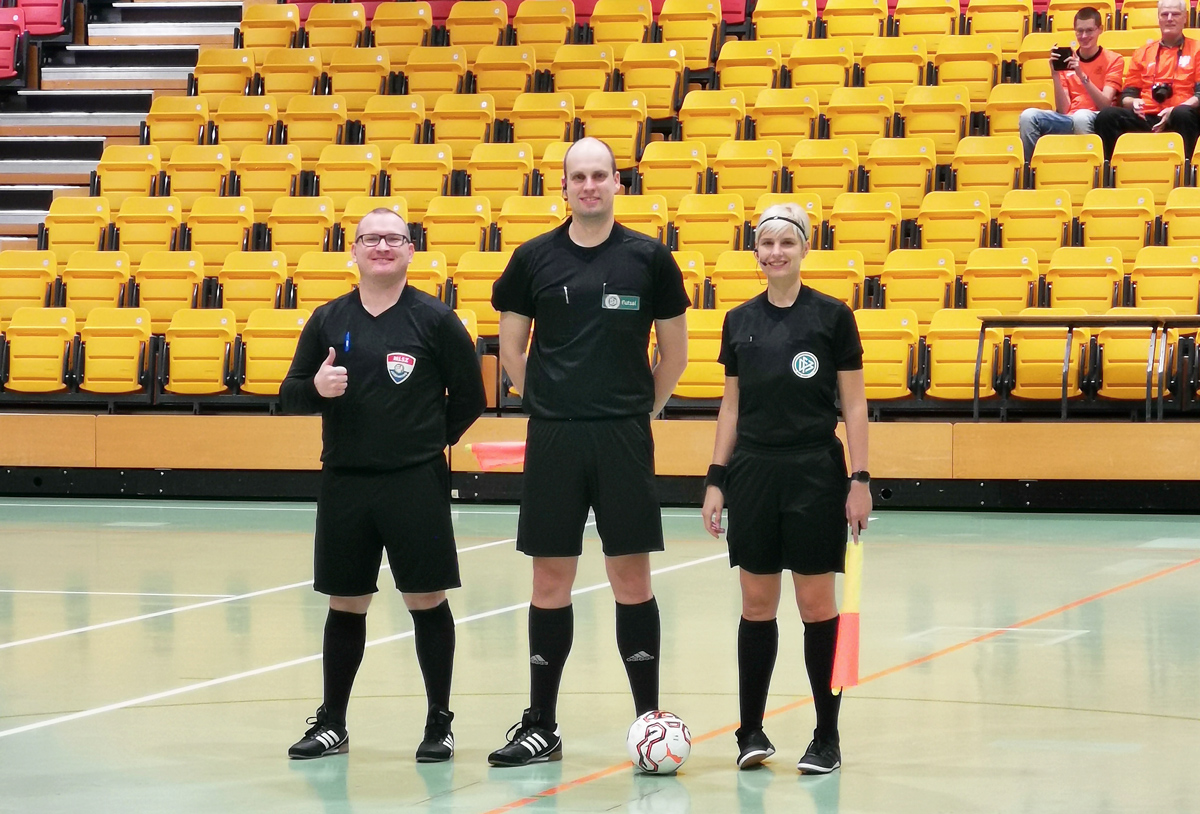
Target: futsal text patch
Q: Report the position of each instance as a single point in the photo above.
(621, 302)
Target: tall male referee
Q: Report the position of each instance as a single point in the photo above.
(395, 378)
(594, 288)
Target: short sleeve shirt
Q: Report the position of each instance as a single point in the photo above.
(592, 309)
(1105, 70)
(786, 361)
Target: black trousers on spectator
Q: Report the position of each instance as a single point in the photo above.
(1114, 121)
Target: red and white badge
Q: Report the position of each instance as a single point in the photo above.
(400, 366)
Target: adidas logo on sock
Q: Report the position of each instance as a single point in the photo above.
(538, 660)
(640, 655)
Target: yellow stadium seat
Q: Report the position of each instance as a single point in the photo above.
(420, 172)
(1126, 43)
(145, 224)
(1034, 53)
(840, 273)
(498, 171)
(1007, 21)
(427, 273)
(300, 225)
(896, 63)
(1069, 163)
(862, 114)
(784, 21)
(1118, 218)
(617, 23)
(218, 226)
(288, 72)
(921, 280)
(581, 70)
(401, 27)
(972, 60)
(389, 121)
(736, 278)
(127, 169)
(115, 351)
(953, 344)
(1181, 217)
(710, 224)
(929, 19)
(868, 222)
(619, 120)
(988, 164)
(473, 280)
(1129, 361)
(360, 206)
(904, 166)
(749, 168)
(823, 65)
(673, 169)
(268, 343)
(357, 74)
(199, 351)
(808, 201)
(550, 165)
(522, 218)
(824, 166)
(347, 171)
(26, 280)
(197, 170)
(1167, 277)
(691, 265)
(92, 279)
(251, 280)
(889, 341)
(1086, 278)
(457, 225)
(1001, 279)
(704, 377)
(647, 214)
(320, 277)
(335, 25)
(75, 224)
(1036, 220)
(1006, 102)
(1038, 354)
(540, 119)
(39, 345)
(245, 120)
(1138, 19)
(750, 66)
(267, 26)
(939, 113)
(312, 123)
(175, 121)
(504, 72)
(432, 72)
(460, 121)
(476, 24)
(859, 21)
(267, 172)
(786, 115)
(167, 282)
(1060, 14)
(469, 322)
(224, 72)
(656, 70)
(692, 24)
(957, 221)
(544, 25)
(1151, 160)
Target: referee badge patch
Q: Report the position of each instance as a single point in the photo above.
(400, 366)
(804, 365)
(621, 302)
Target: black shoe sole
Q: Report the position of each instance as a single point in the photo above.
(553, 756)
(817, 769)
(435, 759)
(337, 750)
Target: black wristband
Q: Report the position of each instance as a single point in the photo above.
(716, 476)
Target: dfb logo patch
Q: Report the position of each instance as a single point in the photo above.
(804, 365)
(400, 366)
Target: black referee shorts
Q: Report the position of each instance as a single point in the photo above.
(604, 464)
(406, 512)
(787, 511)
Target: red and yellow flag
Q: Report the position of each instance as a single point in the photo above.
(845, 654)
(494, 454)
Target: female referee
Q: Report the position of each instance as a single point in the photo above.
(789, 355)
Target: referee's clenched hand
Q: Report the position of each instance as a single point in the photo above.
(330, 379)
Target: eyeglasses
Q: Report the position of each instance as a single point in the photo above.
(395, 241)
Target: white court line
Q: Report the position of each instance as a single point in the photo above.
(200, 507)
(113, 593)
(158, 696)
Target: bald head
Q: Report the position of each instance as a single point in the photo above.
(592, 148)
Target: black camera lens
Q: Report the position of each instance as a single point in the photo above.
(1162, 91)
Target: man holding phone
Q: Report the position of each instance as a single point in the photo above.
(1086, 81)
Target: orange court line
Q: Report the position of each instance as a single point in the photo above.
(617, 767)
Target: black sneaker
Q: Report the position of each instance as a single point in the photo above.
(528, 742)
(820, 757)
(324, 738)
(753, 748)
(438, 745)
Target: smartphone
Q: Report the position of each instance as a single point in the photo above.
(1059, 57)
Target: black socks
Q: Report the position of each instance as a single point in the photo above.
(639, 639)
(433, 635)
(758, 644)
(550, 635)
(819, 641)
(342, 653)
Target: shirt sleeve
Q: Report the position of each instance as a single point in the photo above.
(459, 369)
(670, 294)
(512, 291)
(298, 392)
(1115, 74)
(727, 356)
(1135, 84)
(847, 347)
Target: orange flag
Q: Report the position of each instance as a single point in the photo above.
(493, 454)
(845, 654)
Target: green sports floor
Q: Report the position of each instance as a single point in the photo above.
(162, 656)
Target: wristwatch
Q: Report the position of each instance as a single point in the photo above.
(862, 476)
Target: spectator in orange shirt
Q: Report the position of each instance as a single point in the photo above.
(1089, 85)
(1160, 87)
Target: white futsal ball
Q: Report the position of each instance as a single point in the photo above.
(658, 743)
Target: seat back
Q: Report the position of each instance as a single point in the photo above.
(250, 281)
(710, 224)
(889, 341)
(219, 226)
(524, 218)
(868, 222)
(420, 172)
(647, 214)
(200, 350)
(504, 72)
(94, 278)
(748, 168)
(314, 122)
(862, 114)
(499, 171)
(300, 225)
(269, 338)
(1085, 278)
(581, 70)
(390, 121)
(904, 166)
(836, 272)
(26, 280)
(919, 280)
(704, 376)
(941, 113)
(673, 169)
(1069, 163)
(823, 65)
(988, 164)
(1167, 277)
(115, 350)
(473, 279)
(1036, 220)
(168, 281)
(39, 344)
(176, 120)
(323, 276)
(957, 221)
(953, 343)
(195, 171)
(145, 224)
(127, 169)
(736, 278)
(457, 225)
(1039, 351)
(288, 72)
(1122, 219)
(1004, 280)
(460, 121)
(786, 115)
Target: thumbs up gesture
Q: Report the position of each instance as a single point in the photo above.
(330, 379)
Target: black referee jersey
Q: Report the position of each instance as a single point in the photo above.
(592, 309)
(413, 381)
(786, 361)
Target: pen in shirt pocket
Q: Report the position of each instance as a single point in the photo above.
(567, 295)
(346, 343)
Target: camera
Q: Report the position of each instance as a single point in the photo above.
(1059, 57)
(1162, 91)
